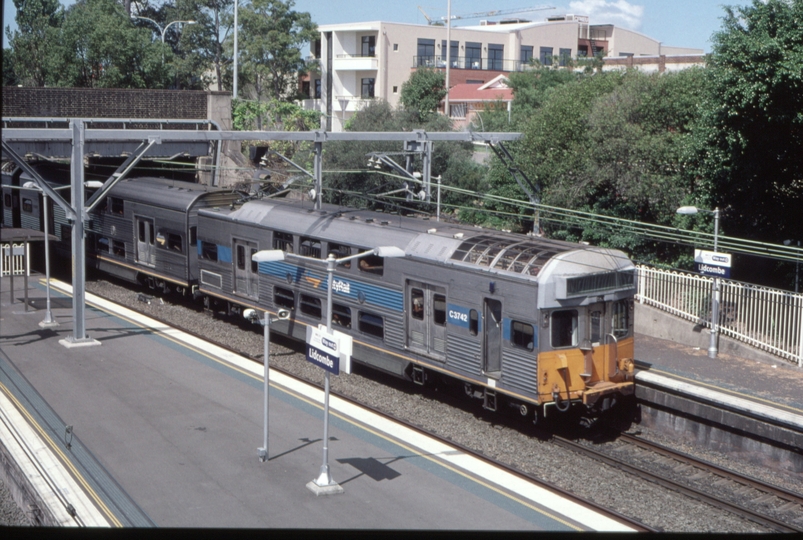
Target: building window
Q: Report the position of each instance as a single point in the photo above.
(283, 241)
(371, 324)
(395, 89)
(284, 298)
(526, 55)
(496, 55)
(368, 46)
(309, 305)
(522, 335)
(546, 56)
(426, 52)
(305, 89)
(564, 56)
(564, 328)
(453, 53)
(317, 89)
(367, 88)
(316, 48)
(395, 47)
(473, 55)
(582, 51)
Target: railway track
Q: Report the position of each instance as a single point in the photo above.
(769, 506)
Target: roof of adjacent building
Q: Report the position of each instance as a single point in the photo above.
(494, 90)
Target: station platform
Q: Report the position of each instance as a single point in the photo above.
(157, 428)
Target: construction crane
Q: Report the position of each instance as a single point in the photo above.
(424, 13)
(496, 12)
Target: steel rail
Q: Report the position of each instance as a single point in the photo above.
(677, 487)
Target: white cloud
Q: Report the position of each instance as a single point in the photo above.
(618, 12)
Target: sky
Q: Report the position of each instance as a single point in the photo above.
(679, 23)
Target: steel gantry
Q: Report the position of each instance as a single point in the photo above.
(14, 141)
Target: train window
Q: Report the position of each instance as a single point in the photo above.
(283, 241)
(66, 233)
(194, 235)
(621, 318)
(116, 205)
(372, 264)
(173, 242)
(340, 251)
(7, 200)
(241, 257)
(118, 248)
(473, 322)
(284, 298)
(439, 309)
(141, 231)
(309, 305)
(371, 324)
(564, 328)
(417, 304)
(103, 244)
(254, 264)
(341, 315)
(208, 251)
(596, 326)
(310, 247)
(522, 335)
(27, 205)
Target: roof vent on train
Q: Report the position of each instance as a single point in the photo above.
(521, 257)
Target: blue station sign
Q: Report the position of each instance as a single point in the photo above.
(323, 359)
(712, 263)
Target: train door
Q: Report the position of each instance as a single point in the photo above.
(426, 318)
(146, 252)
(492, 326)
(599, 337)
(246, 276)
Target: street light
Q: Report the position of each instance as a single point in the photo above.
(162, 30)
(324, 484)
(712, 345)
(797, 262)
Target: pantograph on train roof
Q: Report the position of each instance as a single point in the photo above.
(521, 257)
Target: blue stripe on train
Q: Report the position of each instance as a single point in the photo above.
(341, 286)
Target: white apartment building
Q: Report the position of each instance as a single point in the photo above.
(363, 61)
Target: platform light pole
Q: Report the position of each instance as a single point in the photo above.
(49, 321)
(712, 344)
(163, 31)
(323, 484)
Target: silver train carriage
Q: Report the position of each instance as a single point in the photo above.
(541, 324)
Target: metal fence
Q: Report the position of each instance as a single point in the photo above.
(768, 319)
(12, 259)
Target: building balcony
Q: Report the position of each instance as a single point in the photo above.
(348, 103)
(467, 62)
(349, 62)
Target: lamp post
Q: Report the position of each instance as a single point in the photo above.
(712, 345)
(797, 262)
(236, 9)
(163, 30)
(324, 484)
(49, 321)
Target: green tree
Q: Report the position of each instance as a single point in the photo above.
(32, 44)
(270, 43)
(423, 92)
(99, 47)
(751, 132)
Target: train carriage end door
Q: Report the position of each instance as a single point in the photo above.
(146, 252)
(246, 275)
(492, 326)
(426, 318)
(597, 356)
